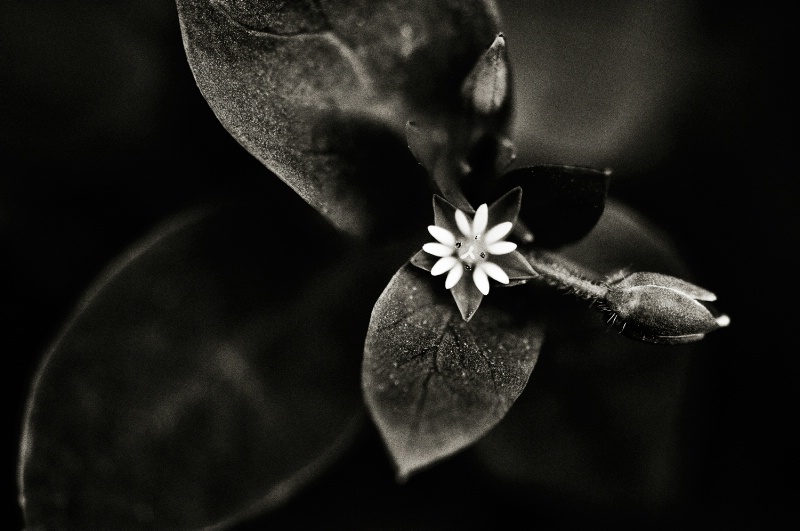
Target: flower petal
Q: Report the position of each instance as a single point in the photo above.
(481, 280)
(463, 224)
(497, 233)
(481, 219)
(442, 235)
(501, 247)
(443, 265)
(493, 271)
(453, 277)
(438, 249)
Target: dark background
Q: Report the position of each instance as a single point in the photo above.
(103, 134)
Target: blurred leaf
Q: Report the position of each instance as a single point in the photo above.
(603, 82)
(562, 203)
(435, 383)
(320, 92)
(209, 375)
(598, 427)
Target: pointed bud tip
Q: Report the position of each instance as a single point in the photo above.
(486, 91)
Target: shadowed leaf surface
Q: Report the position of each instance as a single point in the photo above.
(562, 203)
(209, 375)
(598, 426)
(320, 91)
(435, 383)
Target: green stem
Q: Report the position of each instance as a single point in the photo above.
(563, 273)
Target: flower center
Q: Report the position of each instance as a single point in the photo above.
(471, 251)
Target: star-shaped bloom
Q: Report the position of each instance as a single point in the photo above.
(472, 252)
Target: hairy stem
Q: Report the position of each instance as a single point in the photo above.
(560, 272)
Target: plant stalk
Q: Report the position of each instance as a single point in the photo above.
(563, 273)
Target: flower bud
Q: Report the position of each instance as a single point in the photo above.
(486, 91)
(661, 309)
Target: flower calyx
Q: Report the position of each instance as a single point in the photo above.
(659, 308)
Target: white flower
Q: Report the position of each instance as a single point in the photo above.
(471, 250)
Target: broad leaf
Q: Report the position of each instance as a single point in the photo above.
(320, 92)
(434, 383)
(562, 203)
(210, 374)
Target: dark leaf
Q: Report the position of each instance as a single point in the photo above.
(210, 374)
(426, 144)
(320, 92)
(562, 203)
(599, 426)
(434, 383)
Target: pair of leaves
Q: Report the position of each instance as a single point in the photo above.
(320, 91)
(435, 378)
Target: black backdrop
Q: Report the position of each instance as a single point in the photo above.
(103, 134)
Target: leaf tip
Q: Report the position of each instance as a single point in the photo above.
(401, 476)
